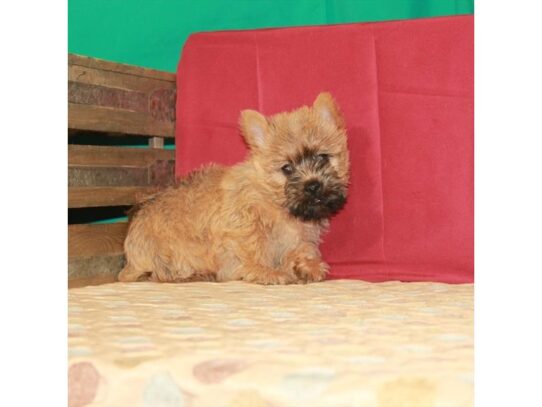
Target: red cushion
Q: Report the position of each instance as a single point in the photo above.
(406, 90)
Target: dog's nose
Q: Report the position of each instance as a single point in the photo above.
(313, 186)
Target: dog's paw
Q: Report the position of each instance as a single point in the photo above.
(267, 276)
(130, 274)
(310, 270)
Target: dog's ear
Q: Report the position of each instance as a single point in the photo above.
(327, 109)
(254, 128)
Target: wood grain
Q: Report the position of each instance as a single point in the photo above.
(115, 100)
(118, 80)
(94, 270)
(95, 253)
(85, 197)
(77, 282)
(118, 122)
(95, 156)
(74, 59)
(96, 239)
(94, 166)
(159, 173)
(97, 95)
(162, 173)
(108, 176)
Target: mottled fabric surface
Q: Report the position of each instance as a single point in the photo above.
(337, 343)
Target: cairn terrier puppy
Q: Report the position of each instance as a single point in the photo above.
(260, 220)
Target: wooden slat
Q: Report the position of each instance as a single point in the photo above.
(118, 80)
(108, 176)
(90, 166)
(74, 59)
(85, 197)
(119, 99)
(95, 156)
(119, 122)
(77, 282)
(160, 173)
(94, 270)
(95, 253)
(96, 239)
(105, 96)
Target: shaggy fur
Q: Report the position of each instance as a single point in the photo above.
(258, 221)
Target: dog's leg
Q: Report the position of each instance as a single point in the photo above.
(253, 265)
(171, 267)
(306, 263)
(246, 252)
(243, 263)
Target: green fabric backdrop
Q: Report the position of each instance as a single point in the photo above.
(150, 33)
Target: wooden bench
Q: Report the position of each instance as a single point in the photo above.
(110, 107)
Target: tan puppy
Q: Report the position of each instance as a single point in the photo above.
(258, 221)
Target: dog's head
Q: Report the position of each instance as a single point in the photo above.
(301, 157)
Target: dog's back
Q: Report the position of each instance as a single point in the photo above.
(167, 225)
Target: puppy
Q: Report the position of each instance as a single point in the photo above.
(259, 221)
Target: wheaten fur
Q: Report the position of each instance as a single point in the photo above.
(254, 221)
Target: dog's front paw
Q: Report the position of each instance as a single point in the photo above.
(310, 270)
(267, 276)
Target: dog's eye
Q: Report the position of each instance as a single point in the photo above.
(287, 169)
(323, 158)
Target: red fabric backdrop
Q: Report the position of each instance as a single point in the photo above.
(406, 90)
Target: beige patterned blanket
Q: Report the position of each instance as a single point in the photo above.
(337, 343)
